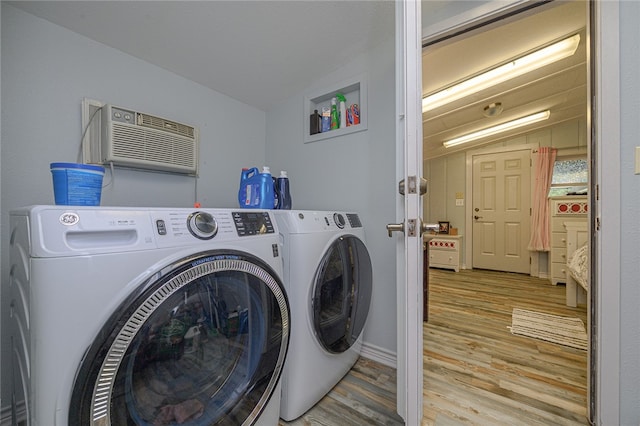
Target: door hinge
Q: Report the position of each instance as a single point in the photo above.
(597, 223)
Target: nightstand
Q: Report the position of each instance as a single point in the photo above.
(445, 251)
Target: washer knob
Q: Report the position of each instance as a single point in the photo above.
(202, 225)
(339, 220)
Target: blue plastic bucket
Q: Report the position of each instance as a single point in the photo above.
(77, 184)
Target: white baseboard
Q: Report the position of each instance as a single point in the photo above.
(378, 354)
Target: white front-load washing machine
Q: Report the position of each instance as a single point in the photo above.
(328, 279)
(151, 316)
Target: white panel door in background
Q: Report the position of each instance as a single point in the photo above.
(502, 211)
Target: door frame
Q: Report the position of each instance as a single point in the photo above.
(409, 260)
(605, 126)
(604, 71)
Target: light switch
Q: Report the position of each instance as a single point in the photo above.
(637, 160)
(459, 201)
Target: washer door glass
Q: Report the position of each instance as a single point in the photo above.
(342, 294)
(203, 343)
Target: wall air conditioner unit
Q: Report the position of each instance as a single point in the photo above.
(138, 140)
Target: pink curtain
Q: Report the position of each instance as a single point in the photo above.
(543, 169)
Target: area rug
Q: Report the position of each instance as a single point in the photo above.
(565, 331)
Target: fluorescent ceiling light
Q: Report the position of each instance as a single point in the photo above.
(515, 68)
(522, 121)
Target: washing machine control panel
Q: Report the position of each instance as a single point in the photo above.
(253, 223)
(182, 227)
(202, 225)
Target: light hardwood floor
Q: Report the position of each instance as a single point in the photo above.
(475, 371)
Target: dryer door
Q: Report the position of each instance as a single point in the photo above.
(342, 294)
(201, 343)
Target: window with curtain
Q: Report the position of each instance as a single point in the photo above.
(570, 176)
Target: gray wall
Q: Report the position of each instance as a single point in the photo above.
(47, 70)
(354, 172)
(630, 212)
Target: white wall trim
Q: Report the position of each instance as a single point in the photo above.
(475, 16)
(378, 354)
(607, 209)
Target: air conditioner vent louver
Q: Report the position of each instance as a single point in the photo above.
(162, 124)
(139, 140)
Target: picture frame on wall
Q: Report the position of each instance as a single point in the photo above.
(443, 227)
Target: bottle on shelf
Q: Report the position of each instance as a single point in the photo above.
(326, 119)
(335, 123)
(315, 125)
(343, 109)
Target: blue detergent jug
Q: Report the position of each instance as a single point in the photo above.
(256, 189)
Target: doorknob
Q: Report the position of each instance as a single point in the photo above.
(427, 227)
(394, 227)
(424, 227)
(476, 217)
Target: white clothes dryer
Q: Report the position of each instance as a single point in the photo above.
(328, 279)
(126, 316)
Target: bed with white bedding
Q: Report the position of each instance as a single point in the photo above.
(577, 262)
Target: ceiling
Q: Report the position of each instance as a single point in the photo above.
(259, 52)
(262, 52)
(560, 87)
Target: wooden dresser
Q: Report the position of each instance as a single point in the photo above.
(562, 210)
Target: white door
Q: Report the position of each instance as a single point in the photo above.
(409, 210)
(502, 211)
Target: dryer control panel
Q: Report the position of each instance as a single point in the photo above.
(304, 221)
